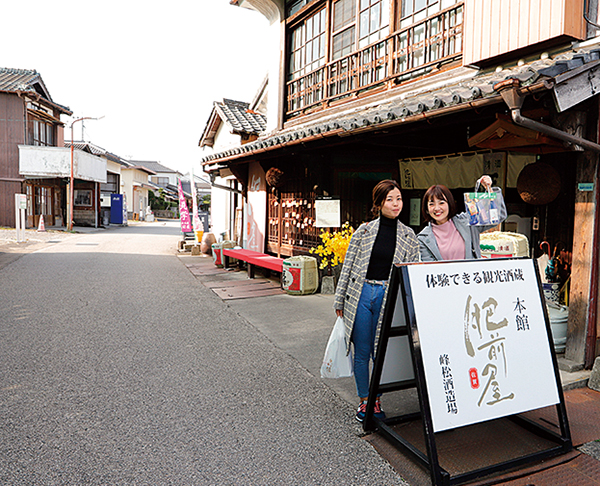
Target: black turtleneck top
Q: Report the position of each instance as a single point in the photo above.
(382, 255)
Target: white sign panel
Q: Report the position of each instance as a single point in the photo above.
(398, 365)
(327, 213)
(484, 342)
(21, 200)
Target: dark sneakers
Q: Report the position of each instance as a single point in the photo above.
(377, 412)
(362, 410)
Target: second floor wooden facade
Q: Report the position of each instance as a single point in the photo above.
(341, 50)
(29, 117)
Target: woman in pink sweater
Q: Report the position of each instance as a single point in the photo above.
(448, 236)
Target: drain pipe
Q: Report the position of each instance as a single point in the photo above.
(220, 186)
(509, 90)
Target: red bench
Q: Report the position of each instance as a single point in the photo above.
(253, 259)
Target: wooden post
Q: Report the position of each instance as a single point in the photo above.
(583, 256)
(279, 223)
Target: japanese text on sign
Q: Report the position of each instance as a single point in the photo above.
(477, 278)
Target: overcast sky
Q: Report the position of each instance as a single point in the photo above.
(152, 69)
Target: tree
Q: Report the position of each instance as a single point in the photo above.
(205, 203)
(158, 202)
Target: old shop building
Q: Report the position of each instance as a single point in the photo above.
(436, 91)
(30, 121)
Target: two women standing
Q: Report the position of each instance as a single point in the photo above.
(376, 246)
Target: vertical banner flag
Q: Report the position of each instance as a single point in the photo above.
(184, 213)
(198, 228)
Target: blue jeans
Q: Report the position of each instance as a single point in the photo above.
(363, 334)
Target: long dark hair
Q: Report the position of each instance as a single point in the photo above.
(380, 192)
(440, 192)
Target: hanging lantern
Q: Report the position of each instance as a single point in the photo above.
(538, 183)
(274, 177)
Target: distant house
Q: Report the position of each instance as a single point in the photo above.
(165, 179)
(33, 160)
(203, 186)
(135, 187)
(114, 165)
(231, 124)
(164, 176)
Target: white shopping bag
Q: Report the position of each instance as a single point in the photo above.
(336, 363)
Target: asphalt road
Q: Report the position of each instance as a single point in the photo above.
(118, 367)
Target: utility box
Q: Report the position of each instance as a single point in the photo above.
(217, 252)
(105, 200)
(300, 275)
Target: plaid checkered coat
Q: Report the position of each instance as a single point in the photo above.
(356, 263)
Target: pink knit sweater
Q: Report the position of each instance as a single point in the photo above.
(449, 241)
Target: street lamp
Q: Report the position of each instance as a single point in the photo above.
(71, 192)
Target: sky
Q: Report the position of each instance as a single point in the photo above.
(152, 70)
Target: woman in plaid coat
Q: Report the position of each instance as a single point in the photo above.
(362, 287)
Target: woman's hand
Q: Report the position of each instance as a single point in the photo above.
(485, 181)
(339, 312)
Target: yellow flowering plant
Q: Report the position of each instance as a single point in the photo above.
(333, 249)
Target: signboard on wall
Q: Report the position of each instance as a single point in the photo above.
(494, 165)
(415, 212)
(486, 349)
(256, 209)
(327, 213)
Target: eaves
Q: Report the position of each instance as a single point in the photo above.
(437, 97)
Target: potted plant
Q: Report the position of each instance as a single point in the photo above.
(331, 253)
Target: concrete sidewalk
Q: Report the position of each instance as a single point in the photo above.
(300, 325)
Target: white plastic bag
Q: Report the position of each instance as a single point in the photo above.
(336, 363)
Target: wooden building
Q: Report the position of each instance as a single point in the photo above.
(102, 194)
(28, 117)
(436, 91)
(34, 160)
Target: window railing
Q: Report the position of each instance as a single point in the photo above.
(402, 54)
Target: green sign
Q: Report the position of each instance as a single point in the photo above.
(585, 186)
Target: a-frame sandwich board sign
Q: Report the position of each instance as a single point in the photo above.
(473, 337)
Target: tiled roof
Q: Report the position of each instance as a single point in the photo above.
(27, 80)
(155, 166)
(240, 117)
(22, 80)
(455, 90)
(95, 150)
(86, 147)
(139, 165)
(237, 115)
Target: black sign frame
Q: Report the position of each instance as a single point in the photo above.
(400, 282)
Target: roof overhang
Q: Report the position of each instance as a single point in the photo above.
(212, 126)
(572, 76)
(142, 168)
